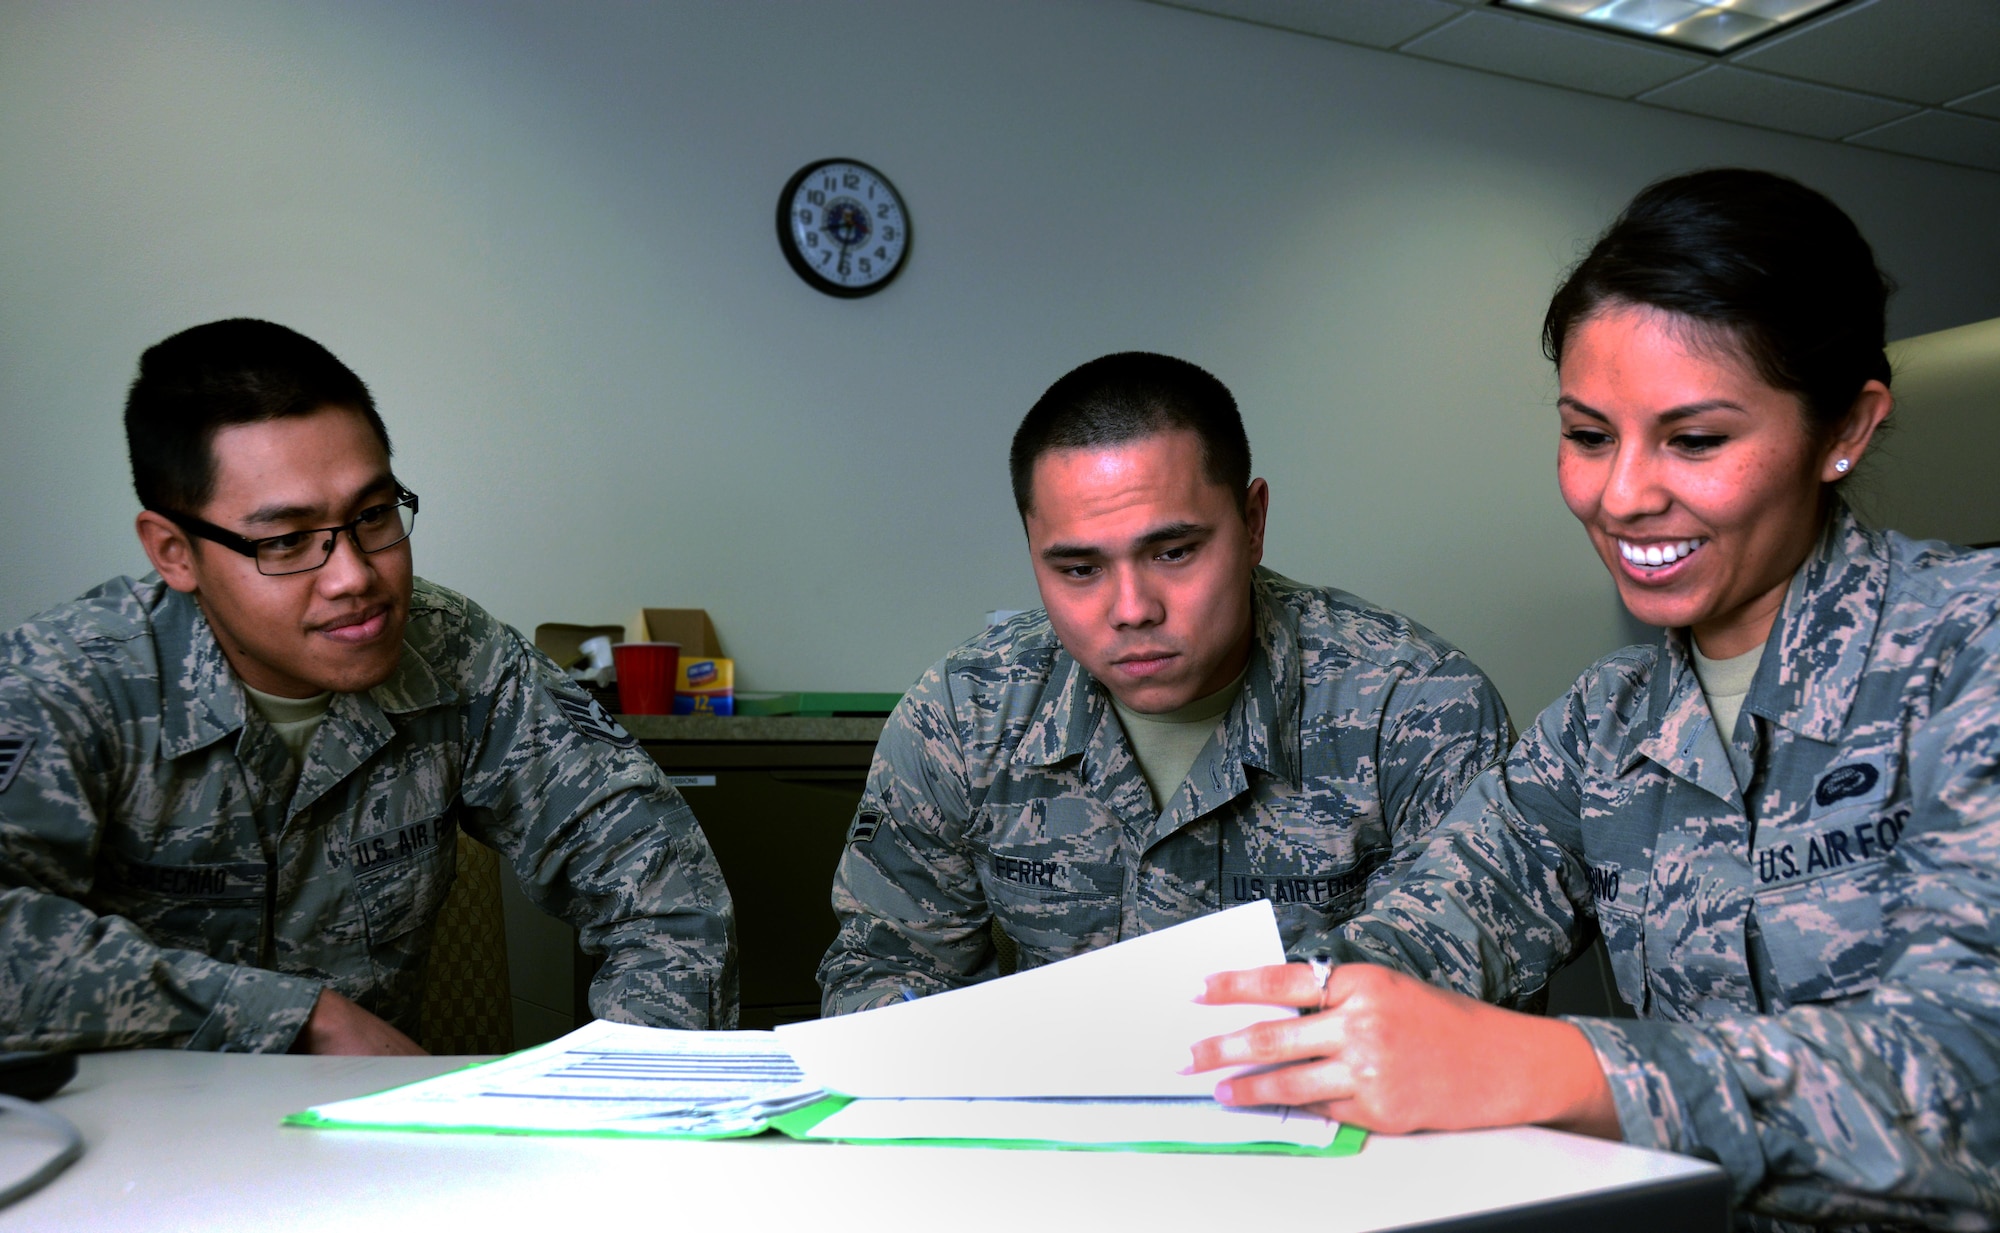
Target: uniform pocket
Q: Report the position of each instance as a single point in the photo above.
(1824, 936)
(1308, 903)
(217, 909)
(402, 875)
(1051, 906)
(1622, 921)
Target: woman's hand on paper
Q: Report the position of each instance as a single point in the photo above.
(1386, 1051)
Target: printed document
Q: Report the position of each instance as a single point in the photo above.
(610, 1077)
(1113, 1022)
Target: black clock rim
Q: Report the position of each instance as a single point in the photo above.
(797, 260)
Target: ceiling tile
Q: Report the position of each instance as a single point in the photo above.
(1375, 23)
(1927, 51)
(1940, 135)
(1776, 102)
(1559, 55)
(1984, 103)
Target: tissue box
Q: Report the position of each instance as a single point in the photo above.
(705, 686)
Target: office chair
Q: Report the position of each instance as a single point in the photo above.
(1010, 955)
(467, 1007)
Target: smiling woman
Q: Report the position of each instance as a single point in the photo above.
(1701, 485)
(1783, 817)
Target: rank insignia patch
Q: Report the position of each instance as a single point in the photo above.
(13, 752)
(589, 717)
(864, 828)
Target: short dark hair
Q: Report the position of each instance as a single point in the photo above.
(201, 380)
(1123, 397)
(1757, 260)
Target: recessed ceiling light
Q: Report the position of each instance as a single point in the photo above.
(1705, 25)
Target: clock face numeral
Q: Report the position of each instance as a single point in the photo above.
(843, 227)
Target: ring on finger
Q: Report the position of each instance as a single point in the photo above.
(1322, 970)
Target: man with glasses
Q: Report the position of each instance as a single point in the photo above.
(230, 792)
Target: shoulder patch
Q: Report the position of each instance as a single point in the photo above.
(588, 716)
(866, 823)
(13, 752)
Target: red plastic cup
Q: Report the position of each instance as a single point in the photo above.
(646, 672)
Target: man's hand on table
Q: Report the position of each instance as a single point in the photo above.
(337, 1025)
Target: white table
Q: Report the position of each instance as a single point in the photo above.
(192, 1141)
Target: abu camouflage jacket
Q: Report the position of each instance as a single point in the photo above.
(1810, 933)
(1003, 789)
(159, 888)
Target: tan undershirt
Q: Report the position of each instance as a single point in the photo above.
(1166, 745)
(293, 719)
(1725, 683)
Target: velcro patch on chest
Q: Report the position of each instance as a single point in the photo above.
(1020, 872)
(1859, 781)
(588, 716)
(209, 883)
(14, 747)
(1783, 860)
(1246, 886)
(1606, 881)
(393, 847)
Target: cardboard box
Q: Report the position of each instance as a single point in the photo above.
(564, 643)
(688, 626)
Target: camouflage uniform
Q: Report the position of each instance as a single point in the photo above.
(157, 887)
(1003, 788)
(1806, 919)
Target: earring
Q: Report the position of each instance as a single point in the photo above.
(1841, 465)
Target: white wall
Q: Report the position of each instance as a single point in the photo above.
(543, 233)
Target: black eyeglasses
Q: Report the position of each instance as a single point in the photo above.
(299, 552)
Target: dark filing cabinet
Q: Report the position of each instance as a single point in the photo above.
(774, 794)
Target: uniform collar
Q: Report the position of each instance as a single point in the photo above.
(1811, 667)
(201, 701)
(1263, 725)
(1679, 730)
(1075, 707)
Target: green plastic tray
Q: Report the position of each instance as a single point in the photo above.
(818, 704)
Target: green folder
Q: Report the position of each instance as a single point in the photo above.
(799, 1124)
(311, 1119)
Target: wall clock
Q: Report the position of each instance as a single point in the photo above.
(843, 227)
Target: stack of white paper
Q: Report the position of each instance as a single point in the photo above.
(602, 1077)
(1113, 1022)
(1086, 1051)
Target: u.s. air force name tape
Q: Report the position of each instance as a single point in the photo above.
(589, 717)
